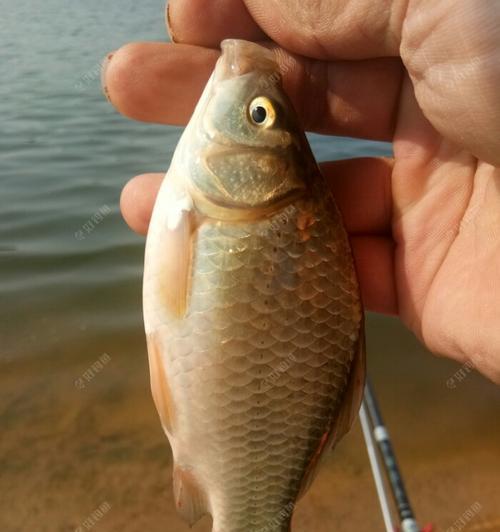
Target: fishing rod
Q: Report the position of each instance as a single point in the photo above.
(378, 477)
(377, 437)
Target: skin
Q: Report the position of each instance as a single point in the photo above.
(425, 226)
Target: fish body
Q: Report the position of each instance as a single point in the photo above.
(252, 311)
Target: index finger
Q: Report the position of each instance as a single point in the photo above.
(331, 29)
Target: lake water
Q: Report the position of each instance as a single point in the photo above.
(80, 442)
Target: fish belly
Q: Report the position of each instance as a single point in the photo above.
(255, 372)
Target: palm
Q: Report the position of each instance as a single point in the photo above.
(445, 258)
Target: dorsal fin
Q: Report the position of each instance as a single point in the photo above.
(349, 409)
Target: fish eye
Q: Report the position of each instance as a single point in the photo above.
(261, 112)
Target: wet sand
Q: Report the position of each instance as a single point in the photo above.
(67, 450)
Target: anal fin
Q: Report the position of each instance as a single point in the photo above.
(190, 499)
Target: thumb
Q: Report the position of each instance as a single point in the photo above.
(453, 59)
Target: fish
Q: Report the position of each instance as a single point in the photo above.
(252, 309)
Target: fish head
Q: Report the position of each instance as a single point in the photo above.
(250, 150)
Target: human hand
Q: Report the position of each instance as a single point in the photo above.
(425, 226)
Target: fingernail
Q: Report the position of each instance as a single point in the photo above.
(169, 24)
(104, 68)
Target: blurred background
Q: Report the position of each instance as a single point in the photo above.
(80, 443)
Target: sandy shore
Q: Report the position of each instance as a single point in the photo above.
(88, 457)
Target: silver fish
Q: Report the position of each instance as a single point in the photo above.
(252, 310)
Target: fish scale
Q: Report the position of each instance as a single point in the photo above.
(254, 331)
(313, 383)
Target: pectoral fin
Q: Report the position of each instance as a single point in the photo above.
(170, 249)
(176, 267)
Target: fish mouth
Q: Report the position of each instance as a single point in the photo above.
(240, 57)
